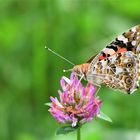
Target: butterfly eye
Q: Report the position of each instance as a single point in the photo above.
(129, 65)
(128, 80)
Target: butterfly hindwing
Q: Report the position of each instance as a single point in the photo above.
(119, 71)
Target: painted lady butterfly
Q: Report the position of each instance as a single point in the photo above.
(117, 65)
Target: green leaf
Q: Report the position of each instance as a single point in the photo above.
(103, 116)
(48, 104)
(65, 130)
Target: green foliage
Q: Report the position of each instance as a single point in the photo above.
(103, 116)
(69, 128)
(77, 29)
(65, 130)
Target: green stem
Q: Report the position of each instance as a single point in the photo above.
(78, 134)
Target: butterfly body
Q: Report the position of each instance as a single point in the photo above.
(117, 65)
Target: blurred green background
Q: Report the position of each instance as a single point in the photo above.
(29, 75)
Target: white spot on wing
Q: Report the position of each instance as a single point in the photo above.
(138, 37)
(109, 51)
(118, 70)
(133, 29)
(122, 38)
(133, 43)
(104, 64)
(113, 59)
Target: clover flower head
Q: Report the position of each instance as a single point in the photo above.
(77, 103)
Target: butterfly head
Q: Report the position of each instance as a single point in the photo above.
(84, 70)
(81, 69)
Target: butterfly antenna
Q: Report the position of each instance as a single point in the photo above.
(67, 70)
(99, 87)
(59, 56)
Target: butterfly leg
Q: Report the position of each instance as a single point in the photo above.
(99, 87)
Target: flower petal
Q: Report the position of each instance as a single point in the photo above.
(77, 103)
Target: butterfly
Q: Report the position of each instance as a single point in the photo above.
(117, 65)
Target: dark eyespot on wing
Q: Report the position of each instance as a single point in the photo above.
(129, 65)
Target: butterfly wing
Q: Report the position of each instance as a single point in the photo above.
(119, 71)
(127, 43)
(111, 65)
